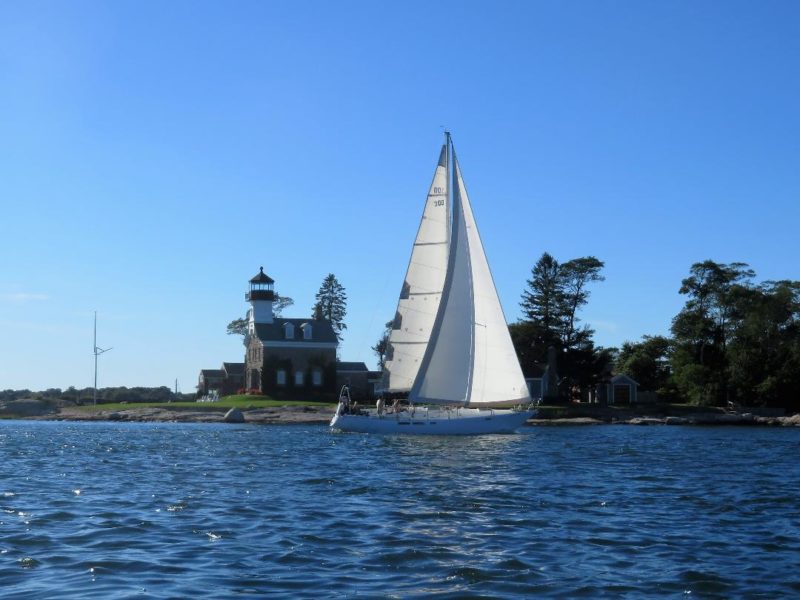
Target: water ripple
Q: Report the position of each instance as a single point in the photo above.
(99, 510)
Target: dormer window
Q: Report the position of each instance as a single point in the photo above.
(306, 327)
(288, 330)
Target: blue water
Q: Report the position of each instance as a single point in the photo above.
(108, 510)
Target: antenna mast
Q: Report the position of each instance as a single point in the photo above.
(97, 352)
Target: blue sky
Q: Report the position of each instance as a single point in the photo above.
(154, 154)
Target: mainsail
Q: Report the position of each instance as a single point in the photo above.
(469, 358)
(422, 287)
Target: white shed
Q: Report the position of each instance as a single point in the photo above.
(623, 390)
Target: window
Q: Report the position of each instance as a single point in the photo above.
(281, 377)
(316, 377)
(288, 330)
(306, 327)
(298, 378)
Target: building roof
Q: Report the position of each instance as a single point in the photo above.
(212, 373)
(622, 379)
(351, 366)
(236, 368)
(262, 277)
(321, 331)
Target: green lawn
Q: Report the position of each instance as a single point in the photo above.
(240, 401)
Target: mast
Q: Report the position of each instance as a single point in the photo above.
(448, 142)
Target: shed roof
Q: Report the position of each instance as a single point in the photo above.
(621, 379)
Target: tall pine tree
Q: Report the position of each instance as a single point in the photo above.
(331, 304)
(543, 299)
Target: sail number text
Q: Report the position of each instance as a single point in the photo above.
(438, 191)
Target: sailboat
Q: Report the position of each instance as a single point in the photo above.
(449, 350)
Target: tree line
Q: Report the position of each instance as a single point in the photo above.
(734, 341)
(73, 395)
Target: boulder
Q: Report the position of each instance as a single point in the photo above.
(572, 421)
(234, 415)
(676, 421)
(645, 421)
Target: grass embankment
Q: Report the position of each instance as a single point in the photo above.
(241, 401)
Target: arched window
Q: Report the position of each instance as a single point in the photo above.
(306, 327)
(288, 330)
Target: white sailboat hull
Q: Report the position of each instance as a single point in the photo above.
(463, 421)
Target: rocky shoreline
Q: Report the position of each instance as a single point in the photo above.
(287, 415)
(699, 419)
(305, 415)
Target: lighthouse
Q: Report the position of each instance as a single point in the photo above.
(260, 296)
(285, 355)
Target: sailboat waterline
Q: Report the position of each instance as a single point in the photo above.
(449, 342)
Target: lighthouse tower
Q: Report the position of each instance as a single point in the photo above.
(260, 297)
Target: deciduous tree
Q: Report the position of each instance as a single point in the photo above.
(574, 278)
(647, 362)
(239, 326)
(703, 327)
(382, 345)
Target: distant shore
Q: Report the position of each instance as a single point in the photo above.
(289, 415)
(306, 415)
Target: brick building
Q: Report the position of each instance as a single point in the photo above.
(285, 356)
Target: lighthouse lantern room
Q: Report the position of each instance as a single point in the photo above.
(260, 297)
